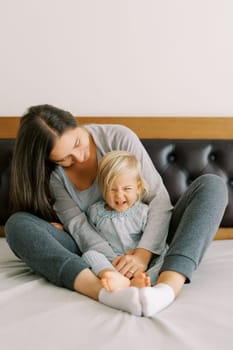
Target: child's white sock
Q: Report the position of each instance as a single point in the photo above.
(155, 299)
(125, 299)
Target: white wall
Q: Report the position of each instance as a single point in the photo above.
(117, 57)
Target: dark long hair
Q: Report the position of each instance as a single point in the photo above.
(31, 167)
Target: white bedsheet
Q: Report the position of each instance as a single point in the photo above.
(36, 315)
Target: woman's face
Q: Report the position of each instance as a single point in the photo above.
(72, 147)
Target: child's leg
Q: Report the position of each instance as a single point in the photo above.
(102, 267)
(97, 261)
(110, 278)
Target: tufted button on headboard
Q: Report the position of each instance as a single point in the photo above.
(178, 161)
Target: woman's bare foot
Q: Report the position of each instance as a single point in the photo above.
(140, 280)
(113, 280)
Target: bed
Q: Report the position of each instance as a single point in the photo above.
(38, 315)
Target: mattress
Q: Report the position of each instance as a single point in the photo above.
(35, 314)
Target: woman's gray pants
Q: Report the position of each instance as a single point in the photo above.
(195, 220)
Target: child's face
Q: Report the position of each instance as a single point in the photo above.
(123, 192)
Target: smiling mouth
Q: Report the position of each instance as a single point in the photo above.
(120, 203)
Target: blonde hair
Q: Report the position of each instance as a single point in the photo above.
(116, 163)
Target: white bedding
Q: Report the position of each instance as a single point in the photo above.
(36, 315)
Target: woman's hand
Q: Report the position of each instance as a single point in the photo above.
(132, 262)
(57, 225)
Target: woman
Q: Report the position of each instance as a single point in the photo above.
(54, 173)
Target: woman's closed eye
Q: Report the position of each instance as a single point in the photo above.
(62, 160)
(77, 143)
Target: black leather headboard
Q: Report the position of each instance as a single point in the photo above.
(6, 149)
(178, 161)
(181, 161)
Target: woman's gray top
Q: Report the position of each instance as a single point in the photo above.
(71, 204)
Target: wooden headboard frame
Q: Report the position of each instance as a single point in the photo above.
(155, 127)
(151, 127)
